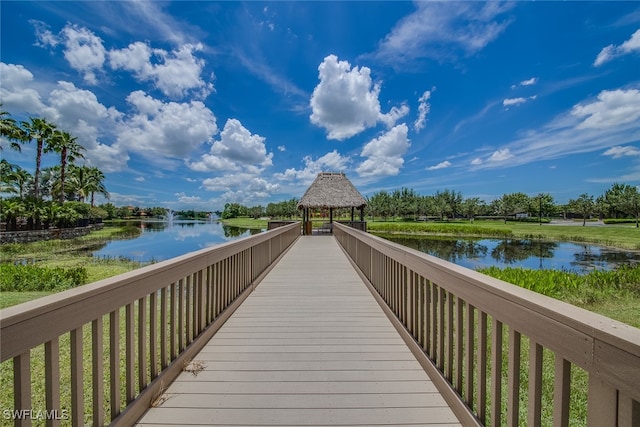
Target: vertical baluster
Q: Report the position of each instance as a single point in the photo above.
(459, 343)
(97, 349)
(198, 309)
(434, 323)
(202, 302)
(450, 334)
(469, 347)
(421, 311)
(114, 362)
(77, 389)
(209, 282)
(180, 330)
(187, 314)
(427, 318)
(173, 325)
(142, 343)
(513, 399)
(441, 327)
(131, 356)
(153, 334)
(164, 323)
(52, 378)
(535, 383)
(561, 392)
(496, 372)
(411, 308)
(482, 366)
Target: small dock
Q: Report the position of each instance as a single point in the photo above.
(310, 346)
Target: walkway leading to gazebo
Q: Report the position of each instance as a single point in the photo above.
(310, 346)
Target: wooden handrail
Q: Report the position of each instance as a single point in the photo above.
(462, 321)
(165, 312)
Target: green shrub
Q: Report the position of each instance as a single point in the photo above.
(35, 278)
(619, 221)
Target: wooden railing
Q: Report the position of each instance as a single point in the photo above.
(503, 355)
(104, 352)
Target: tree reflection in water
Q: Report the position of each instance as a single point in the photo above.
(527, 253)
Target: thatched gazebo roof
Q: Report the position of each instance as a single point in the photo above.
(332, 190)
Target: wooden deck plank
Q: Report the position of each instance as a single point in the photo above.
(300, 417)
(291, 387)
(310, 346)
(304, 401)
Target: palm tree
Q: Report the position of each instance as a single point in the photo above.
(42, 131)
(85, 181)
(10, 130)
(97, 184)
(21, 179)
(65, 144)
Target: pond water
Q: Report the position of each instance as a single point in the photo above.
(161, 240)
(532, 254)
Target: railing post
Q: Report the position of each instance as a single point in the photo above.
(22, 387)
(602, 404)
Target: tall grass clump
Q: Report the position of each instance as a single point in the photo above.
(594, 287)
(30, 278)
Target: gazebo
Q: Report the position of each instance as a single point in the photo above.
(331, 190)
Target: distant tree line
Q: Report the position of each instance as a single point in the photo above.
(55, 196)
(287, 209)
(619, 201)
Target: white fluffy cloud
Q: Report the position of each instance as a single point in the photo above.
(612, 108)
(528, 82)
(517, 101)
(384, 154)
(620, 151)
(345, 102)
(165, 129)
(332, 161)
(607, 122)
(83, 50)
(79, 112)
(611, 52)
(240, 187)
(439, 29)
(423, 110)
(176, 73)
(17, 91)
(441, 165)
(500, 155)
(237, 149)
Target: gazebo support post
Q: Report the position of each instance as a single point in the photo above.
(352, 212)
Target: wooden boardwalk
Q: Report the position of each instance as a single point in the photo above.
(309, 347)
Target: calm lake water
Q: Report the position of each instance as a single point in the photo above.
(163, 240)
(533, 254)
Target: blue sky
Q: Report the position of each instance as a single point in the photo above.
(189, 105)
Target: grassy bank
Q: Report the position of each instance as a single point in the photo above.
(246, 222)
(73, 256)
